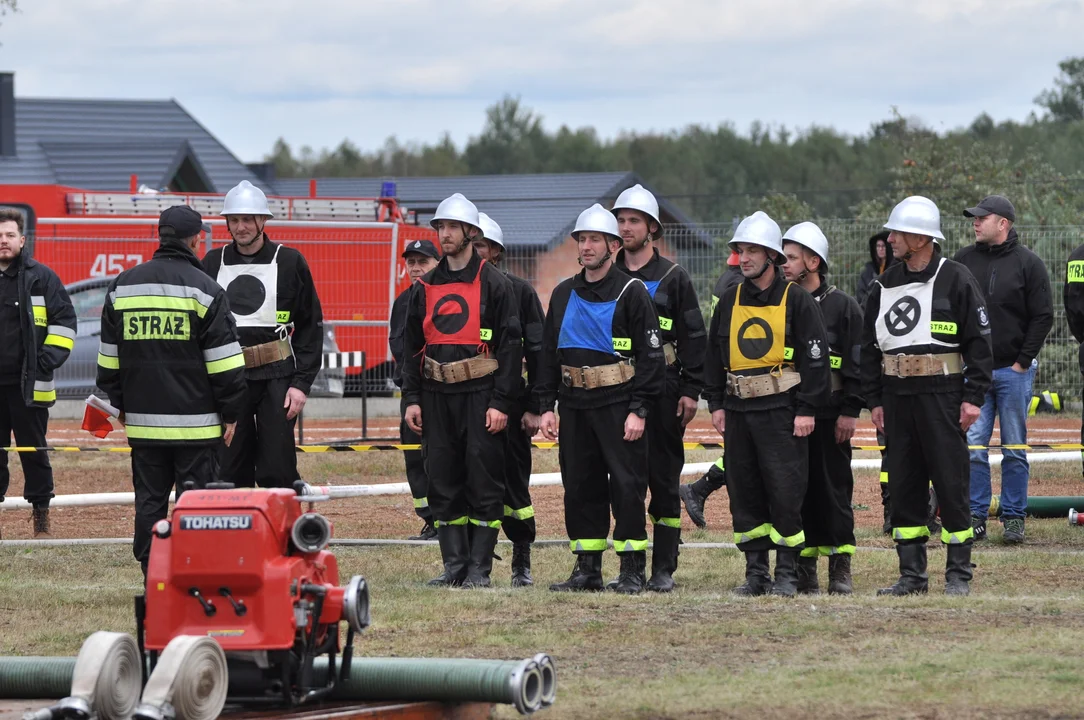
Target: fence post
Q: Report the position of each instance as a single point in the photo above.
(364, 400)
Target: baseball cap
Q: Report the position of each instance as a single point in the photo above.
(422, 247)
(996, 204)
(179, 221)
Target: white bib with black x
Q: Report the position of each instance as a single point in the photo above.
(905, 316)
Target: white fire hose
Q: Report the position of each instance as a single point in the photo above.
(106, 680)
(188, 683)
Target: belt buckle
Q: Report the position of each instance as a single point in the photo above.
(566, 378)
(427, 369)
(583, 375)
(899, 365)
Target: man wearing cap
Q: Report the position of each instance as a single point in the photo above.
(767, 377)
(684, 342)
(273, 300)
(1016, 288)
(524, 420)
(827, 516)
(169, 359)
(695, 494)
(420, 257)
(602, 360)
(926, 366)
(463, 350)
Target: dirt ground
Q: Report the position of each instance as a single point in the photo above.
(393, 516)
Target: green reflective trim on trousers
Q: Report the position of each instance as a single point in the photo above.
(623, 546)
(757, 532)
(719, 464)
(457, 521)
(910, 533)
(668, 522)
(486, 523)
(522, 514)
(792, 541)
(810, 552)
(422, 502)
(957, 538)
(828, 550)
(578, 546)
(884, 476)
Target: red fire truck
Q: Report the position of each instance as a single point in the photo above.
(352, 246)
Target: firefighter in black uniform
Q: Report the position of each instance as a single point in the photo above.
(37, 332)
(767, 376)
(602, 357)
(420, 256)
(827, 515)
(169, 359)
(926, 366)
(274, 302)
(684, 343)
(694, 495)
(463, 349)
(524, 421)
(1073, 296)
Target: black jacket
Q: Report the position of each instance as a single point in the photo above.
(532, 318)
(396, 332)
(680, 318)
(169, 355)
(843, 323)
(499, 315)
(48, 329)
(873, 268)
(805, 333)
(634, 318)
(731, 278)
(1073, 296)
(298, 304)
(956, 299)
(1016, 287)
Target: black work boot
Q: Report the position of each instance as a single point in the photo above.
(758, 579)
(958, 569)
(521, 565)
(839, 575)
(886, 501)
(664, 558)
(631, 579)
(455, 551)
(694, 504)
(41, 523)
(808, 582)
(913, 578)
(428, 532)
(786, 572)
(586, 575)
(482, 542)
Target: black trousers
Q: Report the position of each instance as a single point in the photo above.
(927, 445)
(415, 468)
(262, 452)
(665, 438)
(766, 469)
(29, 424)
(156, 471)
(463, 460)
(519, 522)
(600, 471)
(827, 515)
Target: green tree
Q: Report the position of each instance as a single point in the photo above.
(1065, 103)
(512, 141)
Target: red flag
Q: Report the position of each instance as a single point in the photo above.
(97, 422)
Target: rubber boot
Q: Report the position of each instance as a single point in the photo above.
(455, 551)
(958, 569)
(886, 501)
(521, 565)
(631, 580)
(808, 582)
(586, 575)
(482, 542)
(664, 558)
(41, 523)
(786, 572)
(758, 579)
(839, 575)
(913, 578)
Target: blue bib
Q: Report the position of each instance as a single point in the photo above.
(652, 286)
(587, 325)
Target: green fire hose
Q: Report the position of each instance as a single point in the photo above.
(1043, 507)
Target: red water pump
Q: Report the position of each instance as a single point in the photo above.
(248, 568)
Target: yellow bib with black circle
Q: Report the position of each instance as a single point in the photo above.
(758, 335)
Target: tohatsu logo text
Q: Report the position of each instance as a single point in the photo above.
(216, 522)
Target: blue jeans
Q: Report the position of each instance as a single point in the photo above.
(1008, 398)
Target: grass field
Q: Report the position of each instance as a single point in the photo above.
(1013, 649)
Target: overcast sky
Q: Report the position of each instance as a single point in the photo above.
(318, 71)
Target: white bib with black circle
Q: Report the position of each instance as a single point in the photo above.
(252, 289)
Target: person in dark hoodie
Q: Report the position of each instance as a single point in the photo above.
(880, 257)
(1016, 287)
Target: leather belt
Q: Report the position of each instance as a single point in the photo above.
(905, 366)
(267, 353)
(590, 378)
(460, 371)
(670, 353)
(837, 381)
(754, 386)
